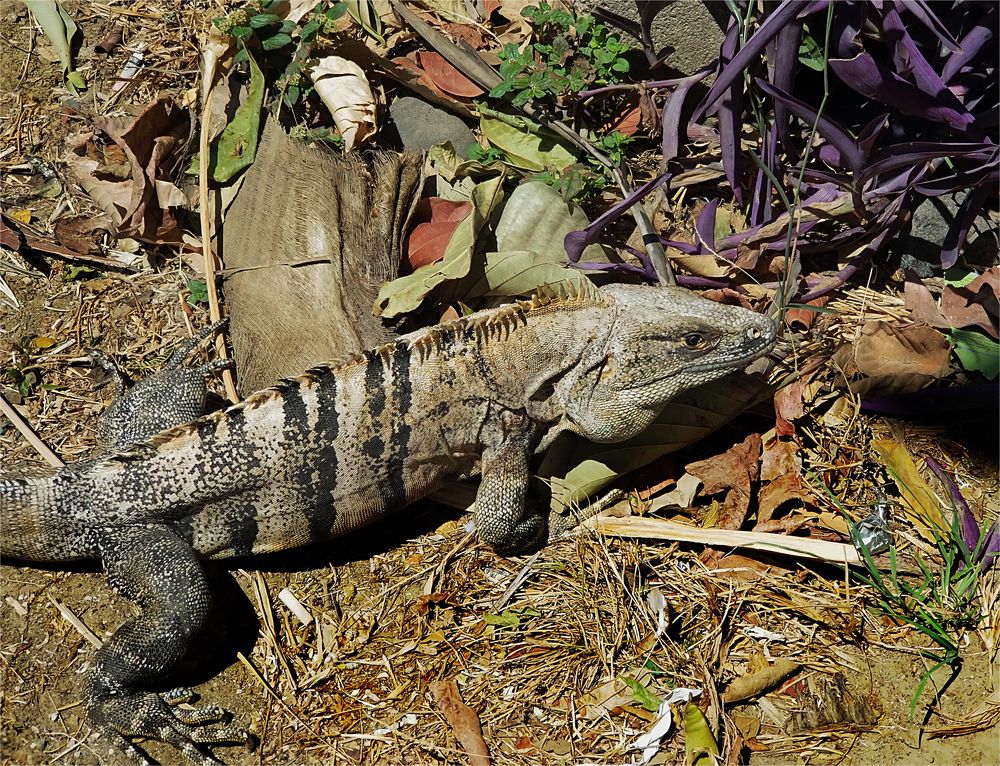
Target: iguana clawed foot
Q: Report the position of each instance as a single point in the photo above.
(159, 717)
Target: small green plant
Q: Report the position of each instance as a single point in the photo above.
(24, 381)
(613, 145)
(570, 53)
(575, 182)
(319, 135)
(257, 26)
(487, 156)
(197, 292)
(938, 604)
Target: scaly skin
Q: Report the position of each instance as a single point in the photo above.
(342, 446)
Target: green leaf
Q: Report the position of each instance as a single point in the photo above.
(699, 744)
(309, 30)
(406, 293)
(58, 26)
(522, 272)
(976, 352)
(363, 12)
(79, 272)
(274, 42)
(263, 20)
(642, 695)
(957, 276)
(506, 620)
(198, 292)
(236, 146)
(536, 151)
(810, 54)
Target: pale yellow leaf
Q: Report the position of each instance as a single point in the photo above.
(344, 89)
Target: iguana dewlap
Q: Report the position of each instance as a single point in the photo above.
(343, 445)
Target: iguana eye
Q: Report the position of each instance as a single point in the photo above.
(694, 340)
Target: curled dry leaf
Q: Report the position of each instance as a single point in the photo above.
(150, 144)
(463, 720)
(733, 472)
(343, 87)
(802, 319)
(755, 683)
(788, 406)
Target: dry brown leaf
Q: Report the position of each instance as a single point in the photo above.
(80, 233)
(150, 143)
(755, 683)
(973, 305)
(462, 719)
(733, 472)
(788, 406)
(884, 349)
(774, 494)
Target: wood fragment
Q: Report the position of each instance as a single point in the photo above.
(661, 529)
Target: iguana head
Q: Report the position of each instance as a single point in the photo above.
(662, 341)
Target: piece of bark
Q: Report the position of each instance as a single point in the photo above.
(347, 217)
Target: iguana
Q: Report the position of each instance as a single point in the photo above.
(341, 446)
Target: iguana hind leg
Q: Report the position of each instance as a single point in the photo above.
(159, 572)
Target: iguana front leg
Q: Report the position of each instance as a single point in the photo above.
(506, 519)
(174, 395)
(159, 572)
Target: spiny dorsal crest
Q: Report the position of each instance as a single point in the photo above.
(481, 327)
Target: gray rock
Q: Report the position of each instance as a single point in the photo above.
(921, 249)
(422, 126)
(694, 29)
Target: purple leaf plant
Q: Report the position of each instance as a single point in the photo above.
(912, 98)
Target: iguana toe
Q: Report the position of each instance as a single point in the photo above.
(154, 716)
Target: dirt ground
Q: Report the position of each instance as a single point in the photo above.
(535, 644)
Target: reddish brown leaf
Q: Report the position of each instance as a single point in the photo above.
(463, 721)
(781, 478)
(733, 472)
(474, 36)
(437, 219)
(802, 319)
(975, 304)
(779, 457)
(775, 493)
(447, 77)
(788, 406)
(784, 526)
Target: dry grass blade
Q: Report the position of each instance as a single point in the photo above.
(661, 529)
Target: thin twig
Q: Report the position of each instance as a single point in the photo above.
(26, 431)
(214, 310)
